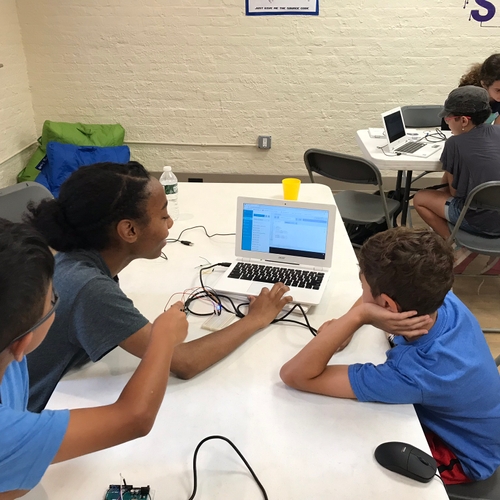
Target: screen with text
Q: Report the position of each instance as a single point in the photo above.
(301, 232)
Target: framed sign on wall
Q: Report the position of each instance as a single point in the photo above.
(282, 7)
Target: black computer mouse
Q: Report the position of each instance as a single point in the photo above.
(407, 460)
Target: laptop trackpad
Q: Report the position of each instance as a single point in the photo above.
(255, 288)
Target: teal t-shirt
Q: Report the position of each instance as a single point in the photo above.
(28, 441)
(495, 108)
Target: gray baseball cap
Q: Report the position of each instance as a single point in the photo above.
(465, 101)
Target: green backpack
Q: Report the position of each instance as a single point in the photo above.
(70, 133)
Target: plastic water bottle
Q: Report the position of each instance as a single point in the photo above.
(169, 182)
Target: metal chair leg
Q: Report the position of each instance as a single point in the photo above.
(409, 219)
(491, 330)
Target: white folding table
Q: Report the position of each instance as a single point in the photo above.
(301, 446)
(376, 151)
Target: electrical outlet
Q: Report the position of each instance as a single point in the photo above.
(264, 142)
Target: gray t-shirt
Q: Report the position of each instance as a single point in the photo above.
(93, 317)
(473, 158)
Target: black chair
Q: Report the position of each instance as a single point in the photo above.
(489, 489)
(486, 195)
(15, 199)
(424, 116)
(355, 207)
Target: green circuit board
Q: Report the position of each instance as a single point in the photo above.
(117, 492)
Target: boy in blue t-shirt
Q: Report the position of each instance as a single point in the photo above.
(30, 442)
(448, 373)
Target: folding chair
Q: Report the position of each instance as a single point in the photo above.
(355, 207)
(489, 489)
(487, 196)
(14, 199)
(422, 116)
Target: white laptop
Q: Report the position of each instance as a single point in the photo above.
(398, 140)
(280, 240)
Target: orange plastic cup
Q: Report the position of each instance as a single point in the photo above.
(291, 188)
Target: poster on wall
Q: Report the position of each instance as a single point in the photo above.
(280, 7)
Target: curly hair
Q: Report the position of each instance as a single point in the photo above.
(26, 269)
(472, 77)
(483, 74)
(412, 267)
(91, 202)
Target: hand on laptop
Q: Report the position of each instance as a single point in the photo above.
(266, 306)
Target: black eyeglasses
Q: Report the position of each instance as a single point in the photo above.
(54, 302)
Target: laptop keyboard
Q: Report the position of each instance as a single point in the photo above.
(270, 274)
(410, 147)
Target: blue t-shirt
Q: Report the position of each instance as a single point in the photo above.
(451, 378)
(28, 441)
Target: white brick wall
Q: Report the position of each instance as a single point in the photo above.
(200, 71)
(17, 125)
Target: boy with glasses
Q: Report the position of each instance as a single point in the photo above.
(30, 442)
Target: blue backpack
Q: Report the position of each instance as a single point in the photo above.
(64, 159)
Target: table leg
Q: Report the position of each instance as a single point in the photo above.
(398, 182)
(406, 197)
(398, 195)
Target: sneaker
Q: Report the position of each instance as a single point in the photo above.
(463, 258)
(492, 268)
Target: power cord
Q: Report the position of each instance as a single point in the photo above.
(190, 243)
(195, 474)
(439, 477)
(385, 152)
(218, 298)
(437, 136)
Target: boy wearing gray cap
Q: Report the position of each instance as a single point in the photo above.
(470, 157)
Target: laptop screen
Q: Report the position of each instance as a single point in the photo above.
(394, 126)
(444, 125)
(285, 230)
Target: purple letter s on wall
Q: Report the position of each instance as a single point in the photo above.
(482, 18)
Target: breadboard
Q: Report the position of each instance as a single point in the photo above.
(218, 321)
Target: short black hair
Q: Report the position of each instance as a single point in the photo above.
(91, 202)
(480, 116)
(413, 267)
(26, 270)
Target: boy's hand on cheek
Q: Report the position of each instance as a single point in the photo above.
(405, 323)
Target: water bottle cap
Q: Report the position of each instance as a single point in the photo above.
(167, 169)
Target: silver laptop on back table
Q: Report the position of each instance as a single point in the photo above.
(280, 240)
(398, 140)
